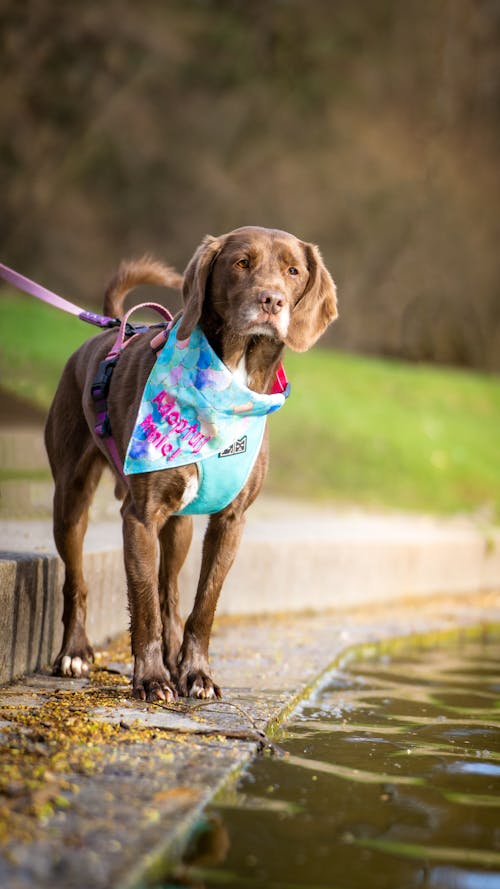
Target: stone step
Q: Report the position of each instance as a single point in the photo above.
(293, 558)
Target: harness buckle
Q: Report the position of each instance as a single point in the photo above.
(103, 430)
(102, 379)
(132, 329)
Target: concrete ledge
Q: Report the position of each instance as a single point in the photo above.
(29, 612)
(31, 578)
(293, 558)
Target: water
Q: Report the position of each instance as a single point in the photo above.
(391, 781)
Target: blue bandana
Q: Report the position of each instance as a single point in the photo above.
(193, 408)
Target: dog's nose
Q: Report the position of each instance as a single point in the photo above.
(271, 301)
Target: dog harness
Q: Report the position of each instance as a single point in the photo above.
(194, 410)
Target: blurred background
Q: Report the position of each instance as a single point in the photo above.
(371, 128)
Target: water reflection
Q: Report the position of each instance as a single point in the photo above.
(391, 780)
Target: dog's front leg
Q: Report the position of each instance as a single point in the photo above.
(219, 549)
(151, 680)
(175, 539)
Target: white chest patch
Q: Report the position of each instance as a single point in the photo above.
(240, 372)
(191, 490)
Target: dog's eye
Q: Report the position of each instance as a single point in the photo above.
(243, 264)
(293, 271)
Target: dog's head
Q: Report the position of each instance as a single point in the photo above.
(260, 281)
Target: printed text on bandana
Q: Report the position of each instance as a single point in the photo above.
(179, 427)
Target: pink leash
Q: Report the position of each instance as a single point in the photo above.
(53, 299)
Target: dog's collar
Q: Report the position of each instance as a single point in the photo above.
(193, 406)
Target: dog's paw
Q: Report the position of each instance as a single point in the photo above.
(152, 690)
(152, 681)
(199, 685)
(75, 664)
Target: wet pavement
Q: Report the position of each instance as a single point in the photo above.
(98, 790)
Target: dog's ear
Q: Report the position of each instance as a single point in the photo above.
(316, 308)
(195, 283)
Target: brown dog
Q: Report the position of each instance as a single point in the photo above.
(252, 291)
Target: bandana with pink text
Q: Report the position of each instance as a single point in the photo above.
(192, 407)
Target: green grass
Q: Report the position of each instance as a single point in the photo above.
(356, 430)
(385, 433)
(35, 342)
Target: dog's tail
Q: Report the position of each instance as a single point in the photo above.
(132, 273)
